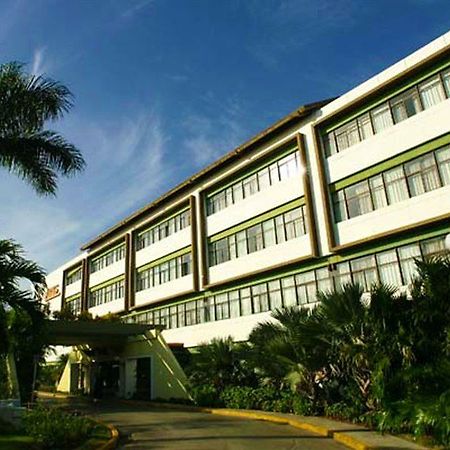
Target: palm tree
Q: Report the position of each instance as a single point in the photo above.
(27, 149)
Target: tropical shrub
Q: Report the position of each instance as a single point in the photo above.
(206, 395)
(52, 428)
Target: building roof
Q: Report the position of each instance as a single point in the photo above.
(300, 113)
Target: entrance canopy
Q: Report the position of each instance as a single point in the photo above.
(71, 333)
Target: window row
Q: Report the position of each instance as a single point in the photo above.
(420, 175)
(394, 267)
(428, 93)
(280, 170)
(74, 304)
(108, 258)
(73, 277)
(163, 230)
(163, 273)
(271, 232)
(107, 294)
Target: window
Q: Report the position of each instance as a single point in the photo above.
(406, 105)
(235, 307)
(241, 244)
(342, 275)
(306, 287)
(364, 271)
(185, 261)
(443, 160)
(286, 167)
(358, 199)
(324, 282)
(255, 238)
(106, 294)
(381, 118)
(108, 258)
(378, 193)
(399, 108)
(339, 205)
(422, 175)
(73, 277)
(163, 230)
(222, 306)
(347, 135)
(433, 247)
(294, 223)
(289, 291)
(431, 92)
(260, 298)
(246, 301)
(396, 188)
(388, 268)
(73, 304)
(407, 255)
(269, 232)
(275, 298)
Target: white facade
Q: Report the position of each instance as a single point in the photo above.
(268, 271)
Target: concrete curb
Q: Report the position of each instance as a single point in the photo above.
(355, 437)
(112, 442)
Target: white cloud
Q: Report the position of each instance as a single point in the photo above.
(138, 6)
(39, 66)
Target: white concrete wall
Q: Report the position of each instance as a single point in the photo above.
(401, 214)
(277, 254)
(256, 204)
(162, 248)
(410, 133)
(170, 289)
(72, 289)
(107, 273)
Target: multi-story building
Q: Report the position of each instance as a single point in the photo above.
(350, 189)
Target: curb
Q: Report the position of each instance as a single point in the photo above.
(112, 441)
(355, 437)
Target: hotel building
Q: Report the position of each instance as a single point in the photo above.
(350, 189)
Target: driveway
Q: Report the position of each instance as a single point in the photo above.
(153, 428)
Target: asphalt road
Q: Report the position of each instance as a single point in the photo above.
(152, 428)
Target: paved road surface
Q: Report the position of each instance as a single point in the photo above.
(152, 428)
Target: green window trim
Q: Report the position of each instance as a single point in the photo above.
(258, 219)
(107, 251)
(106, 283)
(282, 151)
(388, 95)
(173, 255)
(397, 160)
(72, 297)
(160, 221)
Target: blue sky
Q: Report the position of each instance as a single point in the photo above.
(164, 87)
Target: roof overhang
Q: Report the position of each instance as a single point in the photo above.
(70, 333)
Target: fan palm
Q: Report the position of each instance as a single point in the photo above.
(27, 149)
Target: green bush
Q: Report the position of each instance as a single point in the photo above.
(304, 406)
(52, 428)
(206, 395)
(239, 397)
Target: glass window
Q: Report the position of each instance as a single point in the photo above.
(264, 178)
(358, 199)
(431, 92)
(378, 193)
(433, 247)
(280, 230)
(388, 268)
(422, 175)
(164, 272)
(364, 271)
(406, 105)
(255, 238)
(232, 246)
(365, 126)
(269, 233)
(342, 275)
(246, 302)
(396, 188)
(274, 174)
(347, 135)
(288, 166)
(185, 265)
(182, 315)
(407, 255)
(306, 287)
(173, 269)
(289, 291)
(340, 211)
(275, 295)
(260, 298)
(446, 80)
(443, 160)
(241, 243)
(381, 118)
(250, 185)
(222, 307)
(329, 144)
(324, 282)
(238, 193)
(293, 223)
(235, 308)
